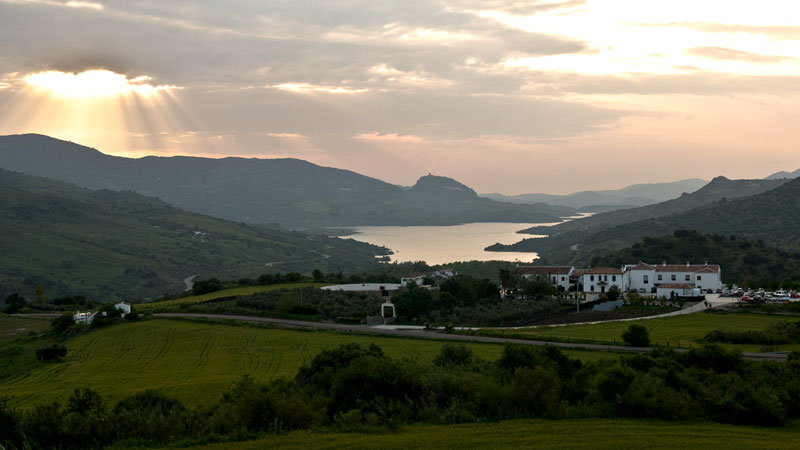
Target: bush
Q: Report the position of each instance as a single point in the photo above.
(453, 355)
(636, 336)
(63, 323)
(54, 352)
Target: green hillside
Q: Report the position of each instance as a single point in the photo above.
(108, 245)
(742, 260)
(291, 192)
(192, 361)
(772, 216)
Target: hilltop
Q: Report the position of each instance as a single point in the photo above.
(291, 192)
(753, 209)
(108, 245)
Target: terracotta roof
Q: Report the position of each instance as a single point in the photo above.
(675, 286)
(544, 270)
(603, 271)
(699, 268)
(641, 266)
(415, 275)
(578, 272)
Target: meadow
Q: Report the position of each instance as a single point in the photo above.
(191, 360)
(544, 434)
(224, 293)
(685, 330)
(14, 327)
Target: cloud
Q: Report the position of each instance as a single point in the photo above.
(732, 54)
(781, 32)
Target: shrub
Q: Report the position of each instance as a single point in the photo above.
(453, 355)
(54, 352)
(636, 336)
(63, 323)
(536, 391)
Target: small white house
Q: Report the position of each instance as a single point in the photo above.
(416, 277)
(444, 273)
(84, 318)
(558, 276)
(124, 307)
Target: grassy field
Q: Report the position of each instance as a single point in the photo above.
(196, 361)
(545, 434)
(14, 327)
(193, 361)
(243, 290)
(682, 330)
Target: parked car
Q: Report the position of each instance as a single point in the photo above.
(747, 299)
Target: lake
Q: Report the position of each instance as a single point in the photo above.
(445, 244)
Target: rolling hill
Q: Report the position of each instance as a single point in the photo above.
(108, 245)
(769, 215)
(291, 192)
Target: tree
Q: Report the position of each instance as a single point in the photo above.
(54, 352)
(613, 293)
(319, 277)
(39, 292)
(636, 336)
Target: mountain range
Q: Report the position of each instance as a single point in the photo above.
(767, 210)
(627, 197)
(111, 245)
(291, 192)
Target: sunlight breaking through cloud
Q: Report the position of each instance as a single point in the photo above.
(91, 83)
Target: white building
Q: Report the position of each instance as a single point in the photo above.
(84, 318)
(124, 307)
(556, 275)
(416, 277)
(646, 276)
(600, 279)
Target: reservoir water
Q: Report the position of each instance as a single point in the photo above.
(445, 244)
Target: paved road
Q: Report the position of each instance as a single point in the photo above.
(417, 333)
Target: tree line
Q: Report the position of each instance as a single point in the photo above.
(351, 387)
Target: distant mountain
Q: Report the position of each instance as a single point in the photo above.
(109, 245)
(631, 196)
(292, 192)
(779, 175)
(742, 260)
(757, 209)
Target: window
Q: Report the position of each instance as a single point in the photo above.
(673, 277)
(688, 277)
(605, 277)
(646, 279)
(613, 278)
(591, 278)
(660, 277)
(591, 289)
(699, 278)
(564, 279)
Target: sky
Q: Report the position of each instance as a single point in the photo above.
(551, 96)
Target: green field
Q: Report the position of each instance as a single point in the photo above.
(196, 361)
(681, 330)
(566, 434)
(14, 327)
(237, 291)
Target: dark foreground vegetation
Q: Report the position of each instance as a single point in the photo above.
(351, 386)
